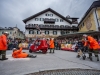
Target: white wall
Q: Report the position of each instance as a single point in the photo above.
(50, 32)
(32, 21)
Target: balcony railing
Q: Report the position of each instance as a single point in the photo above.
(49, 20)
(31, 26)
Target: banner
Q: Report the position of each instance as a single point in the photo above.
(68, 47)
(24, 45)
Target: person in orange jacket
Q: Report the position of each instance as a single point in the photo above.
(52, 45)
(93, 46)
(19, 54)
(3, 45)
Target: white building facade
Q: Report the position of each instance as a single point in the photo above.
(51, 23)
(14, 32)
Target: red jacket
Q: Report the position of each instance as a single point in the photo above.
(52, 44)
(3, 42)
(19, 54)
(93, 44)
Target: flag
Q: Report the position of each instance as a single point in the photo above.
(37, 27)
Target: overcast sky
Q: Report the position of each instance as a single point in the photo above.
(12, 12)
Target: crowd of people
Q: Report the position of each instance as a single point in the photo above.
(86, 41)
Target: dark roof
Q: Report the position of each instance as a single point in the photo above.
(72, 18)
(94, 5)
(49, 9)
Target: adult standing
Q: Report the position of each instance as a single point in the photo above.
(93, 46)
(52, 45)
(3, 45)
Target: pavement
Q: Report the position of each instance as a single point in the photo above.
(59, 60)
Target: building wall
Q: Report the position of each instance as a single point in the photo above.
(9, 31)
(88, 23)
(32, 21)
(13, 33)
(35, 33)
(98, 13)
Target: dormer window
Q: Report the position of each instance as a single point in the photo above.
(56, 20)
(49, 15)
(61, 20)
(36, 19)
(45, 14)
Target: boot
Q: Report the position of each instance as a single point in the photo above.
(31, 56)
(50, 51)
(3, 57)
(78, 56)
(97, 57)
(53, 51)
(90, 56)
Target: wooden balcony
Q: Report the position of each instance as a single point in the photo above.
(51, 27)
(49, 21)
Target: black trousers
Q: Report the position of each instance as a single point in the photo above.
(51, 50)
(2, 54)
(93, 51)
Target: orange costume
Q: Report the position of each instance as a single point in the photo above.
(51, 43)
(19, 54)
(93, 44)
(3, 42)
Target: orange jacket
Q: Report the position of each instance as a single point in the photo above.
(93, 44)
(51, 43)
(3, 42)
(19, 54)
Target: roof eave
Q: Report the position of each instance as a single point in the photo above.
(49, 9)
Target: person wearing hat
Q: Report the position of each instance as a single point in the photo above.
(3, 45)
(17, 53)
(93, 46)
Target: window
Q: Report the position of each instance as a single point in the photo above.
(31, 32)
(36, 19)
(63, 32)
(83, 24)
(38, 32)
(45, 14)
(61, 20)
(55, 32)
(51, 15)
(40, 19)
(2, 32)
(67, 32)
(10, 32)
(46, 32)
(48, 14)
(56, 20)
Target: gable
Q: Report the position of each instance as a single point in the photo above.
(45, 11)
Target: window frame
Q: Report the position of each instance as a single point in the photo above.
(47, 32)
(54, 32)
